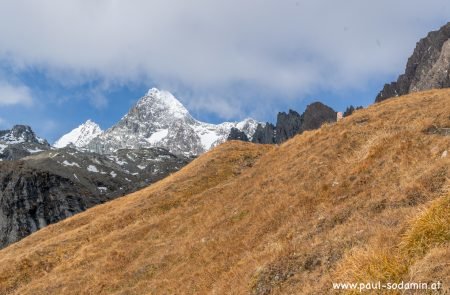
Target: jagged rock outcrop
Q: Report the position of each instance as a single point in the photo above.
(236, 134)
(287, 126)
(50, 186)
(264, 134)
(315, 115)
(291, 123)
(427, 68)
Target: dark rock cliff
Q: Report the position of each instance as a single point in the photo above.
(236, 134)
(264, 134)
(287, 125)
(427, 68)
(315, 115)
(31, 199)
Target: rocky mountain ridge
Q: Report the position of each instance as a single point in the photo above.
(158, 119)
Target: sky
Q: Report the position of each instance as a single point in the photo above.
(63, 62)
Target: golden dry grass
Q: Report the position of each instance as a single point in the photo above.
(255, 219)
(427, 233)
(431, 229)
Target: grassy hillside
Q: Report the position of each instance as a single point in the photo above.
(363, 199)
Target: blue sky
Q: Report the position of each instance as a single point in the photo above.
(64, 62)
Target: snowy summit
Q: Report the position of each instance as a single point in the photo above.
(158, 119)
(80, 136)
(165, 100)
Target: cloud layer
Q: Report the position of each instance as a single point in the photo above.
(286, 48)
(14, 95)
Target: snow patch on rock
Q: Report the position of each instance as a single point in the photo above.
(92, 168)
(67, 163)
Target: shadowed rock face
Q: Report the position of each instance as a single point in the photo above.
(50, 186)
(427, 68)
(264, 134)
(292, 123)
(315, 115)
(288, 125)
(236, 134)
(31, 199)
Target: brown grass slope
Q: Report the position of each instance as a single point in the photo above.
(255, 219)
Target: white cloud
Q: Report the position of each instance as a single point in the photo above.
(97, 97)
(288, 47)
(223, 106)
(99, 101)
(14, 94)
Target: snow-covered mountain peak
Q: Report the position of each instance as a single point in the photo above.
(161, 100)
(19, 142)
(153, 91)
(158, 119)
(89, 122)
(79, 136)
(20, 134)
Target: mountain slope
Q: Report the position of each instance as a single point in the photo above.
(427, 68)
(256, 219)
(159, 120)
(80, 136)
